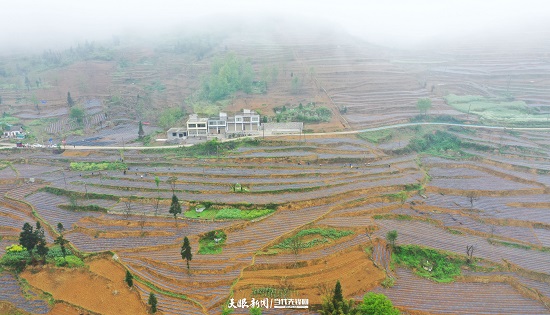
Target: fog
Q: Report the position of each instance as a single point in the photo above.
(37, 25)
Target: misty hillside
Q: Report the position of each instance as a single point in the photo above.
(140, 78)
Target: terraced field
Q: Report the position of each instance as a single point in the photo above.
(506, 220)
(492, 192)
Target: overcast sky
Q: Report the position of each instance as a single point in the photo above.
(31, 23)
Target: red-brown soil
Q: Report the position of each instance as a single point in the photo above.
(100, 289)
(354, 269)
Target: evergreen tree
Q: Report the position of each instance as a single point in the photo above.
(42, 250)
(60, 228)
(153, 302)
(62, 242)
(175, 208)
(70, 101)
(129, 279)
(338, 297)
(28, 238)
(336, 304)
(141, 133)
(186, 251)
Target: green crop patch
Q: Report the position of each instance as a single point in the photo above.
(101, 166)
(309, 238)
(212, 243)
(502, 110)
(436, 265)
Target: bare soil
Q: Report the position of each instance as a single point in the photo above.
(100, 289)
(354, 269)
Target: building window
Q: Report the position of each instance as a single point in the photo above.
(173, 134)
(192, 125)
(202, 125)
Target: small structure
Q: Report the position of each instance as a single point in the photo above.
(176, 134)
(13, 131)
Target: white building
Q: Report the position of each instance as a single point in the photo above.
(243, 122)
(197, 126)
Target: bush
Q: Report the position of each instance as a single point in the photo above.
(15, 248)
(69, 261)
(429, 263)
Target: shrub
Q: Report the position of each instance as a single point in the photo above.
(15, 248)
(429, 263)
(70, 261)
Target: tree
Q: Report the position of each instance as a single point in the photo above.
(337, 297)
(60, 228)
(127, 208)
(391, 236)
(296, 246)
(376, 304)
(28, 238)
(469, 253)
(172, 181)
(70, 101)
(423, 105)
(27, 83)
(61, 241)
(77, 113)
(186, 251)
(42, 250)
(369, 231)
(175, 208)
(336, 304)
(472, 196)
(129, 279)
(152, 302)
(141, 133)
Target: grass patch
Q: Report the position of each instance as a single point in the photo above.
(238, 214)
(400, 217)
(227, 213)
(95, 208)
(435, 265)
(502, 110)
(101, 166)
(69, 193)
(443, 144)
(508, 244)
(314, 237)
(212, 243)
(377, 136)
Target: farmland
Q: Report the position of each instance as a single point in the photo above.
(288, 216)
